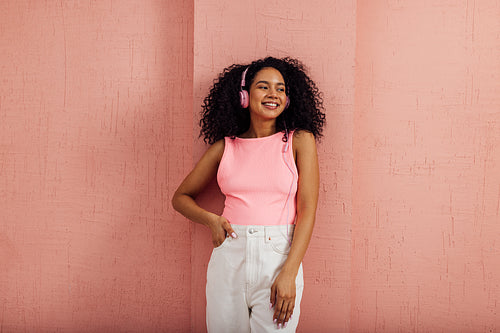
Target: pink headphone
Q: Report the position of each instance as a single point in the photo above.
(244, 99)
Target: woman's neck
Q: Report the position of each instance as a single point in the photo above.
(259, 131)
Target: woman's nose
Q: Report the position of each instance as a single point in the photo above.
(273, 92)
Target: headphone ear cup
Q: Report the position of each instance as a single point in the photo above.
(244, 99)
(287, 102)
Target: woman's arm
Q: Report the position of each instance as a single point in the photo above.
(283, 289)
(184, 202)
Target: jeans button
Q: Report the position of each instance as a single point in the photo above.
(252, 231)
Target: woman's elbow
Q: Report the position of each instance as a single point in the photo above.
(180, 200)
(176, 200)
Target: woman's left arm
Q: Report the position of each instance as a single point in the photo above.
(283, 288)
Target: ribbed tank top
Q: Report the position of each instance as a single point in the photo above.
(258, 176)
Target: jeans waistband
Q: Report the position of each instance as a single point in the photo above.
(255, 231)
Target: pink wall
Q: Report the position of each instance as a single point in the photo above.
(98, 124)
(426, 168)
(94, 138)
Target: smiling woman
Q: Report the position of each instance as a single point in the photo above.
(262, 120)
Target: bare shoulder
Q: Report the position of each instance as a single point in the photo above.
(216, 150)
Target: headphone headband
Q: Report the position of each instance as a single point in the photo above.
(244, 98)
(243, 77)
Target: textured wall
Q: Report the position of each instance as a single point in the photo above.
(322, 35)
(94, 137)
(426, 168)
(98, 124)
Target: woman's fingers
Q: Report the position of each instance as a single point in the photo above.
(289, 311)
(217, 241)
(220, 230)
(283, 311)
(277, 311)
(273, 296)
(229, 230)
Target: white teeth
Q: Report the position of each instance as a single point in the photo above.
(271, 104)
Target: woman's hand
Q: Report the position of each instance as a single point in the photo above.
(221, 228)
(283, 297)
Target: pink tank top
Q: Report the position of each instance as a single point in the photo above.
(258, 176)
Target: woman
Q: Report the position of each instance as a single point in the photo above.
(262, 120)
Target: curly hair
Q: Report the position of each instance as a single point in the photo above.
(222, 115)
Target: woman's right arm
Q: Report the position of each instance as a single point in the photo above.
(184, 202)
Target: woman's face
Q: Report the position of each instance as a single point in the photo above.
(267, 94)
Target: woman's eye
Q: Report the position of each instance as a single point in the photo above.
(262, 87)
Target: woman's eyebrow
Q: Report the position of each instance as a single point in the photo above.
(266, 82)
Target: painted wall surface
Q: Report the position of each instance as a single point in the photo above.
(426, 168)
(99, 104)
(95, 134)
(322, 35)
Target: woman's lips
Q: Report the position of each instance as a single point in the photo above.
(271, 105)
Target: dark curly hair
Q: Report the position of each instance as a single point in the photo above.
(222, 114)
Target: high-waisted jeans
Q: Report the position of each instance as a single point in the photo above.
(240, 274)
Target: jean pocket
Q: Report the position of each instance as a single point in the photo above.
(223, 244)
(280, 244)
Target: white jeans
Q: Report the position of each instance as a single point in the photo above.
(239, 278)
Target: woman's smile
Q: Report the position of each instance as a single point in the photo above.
(271, 105)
